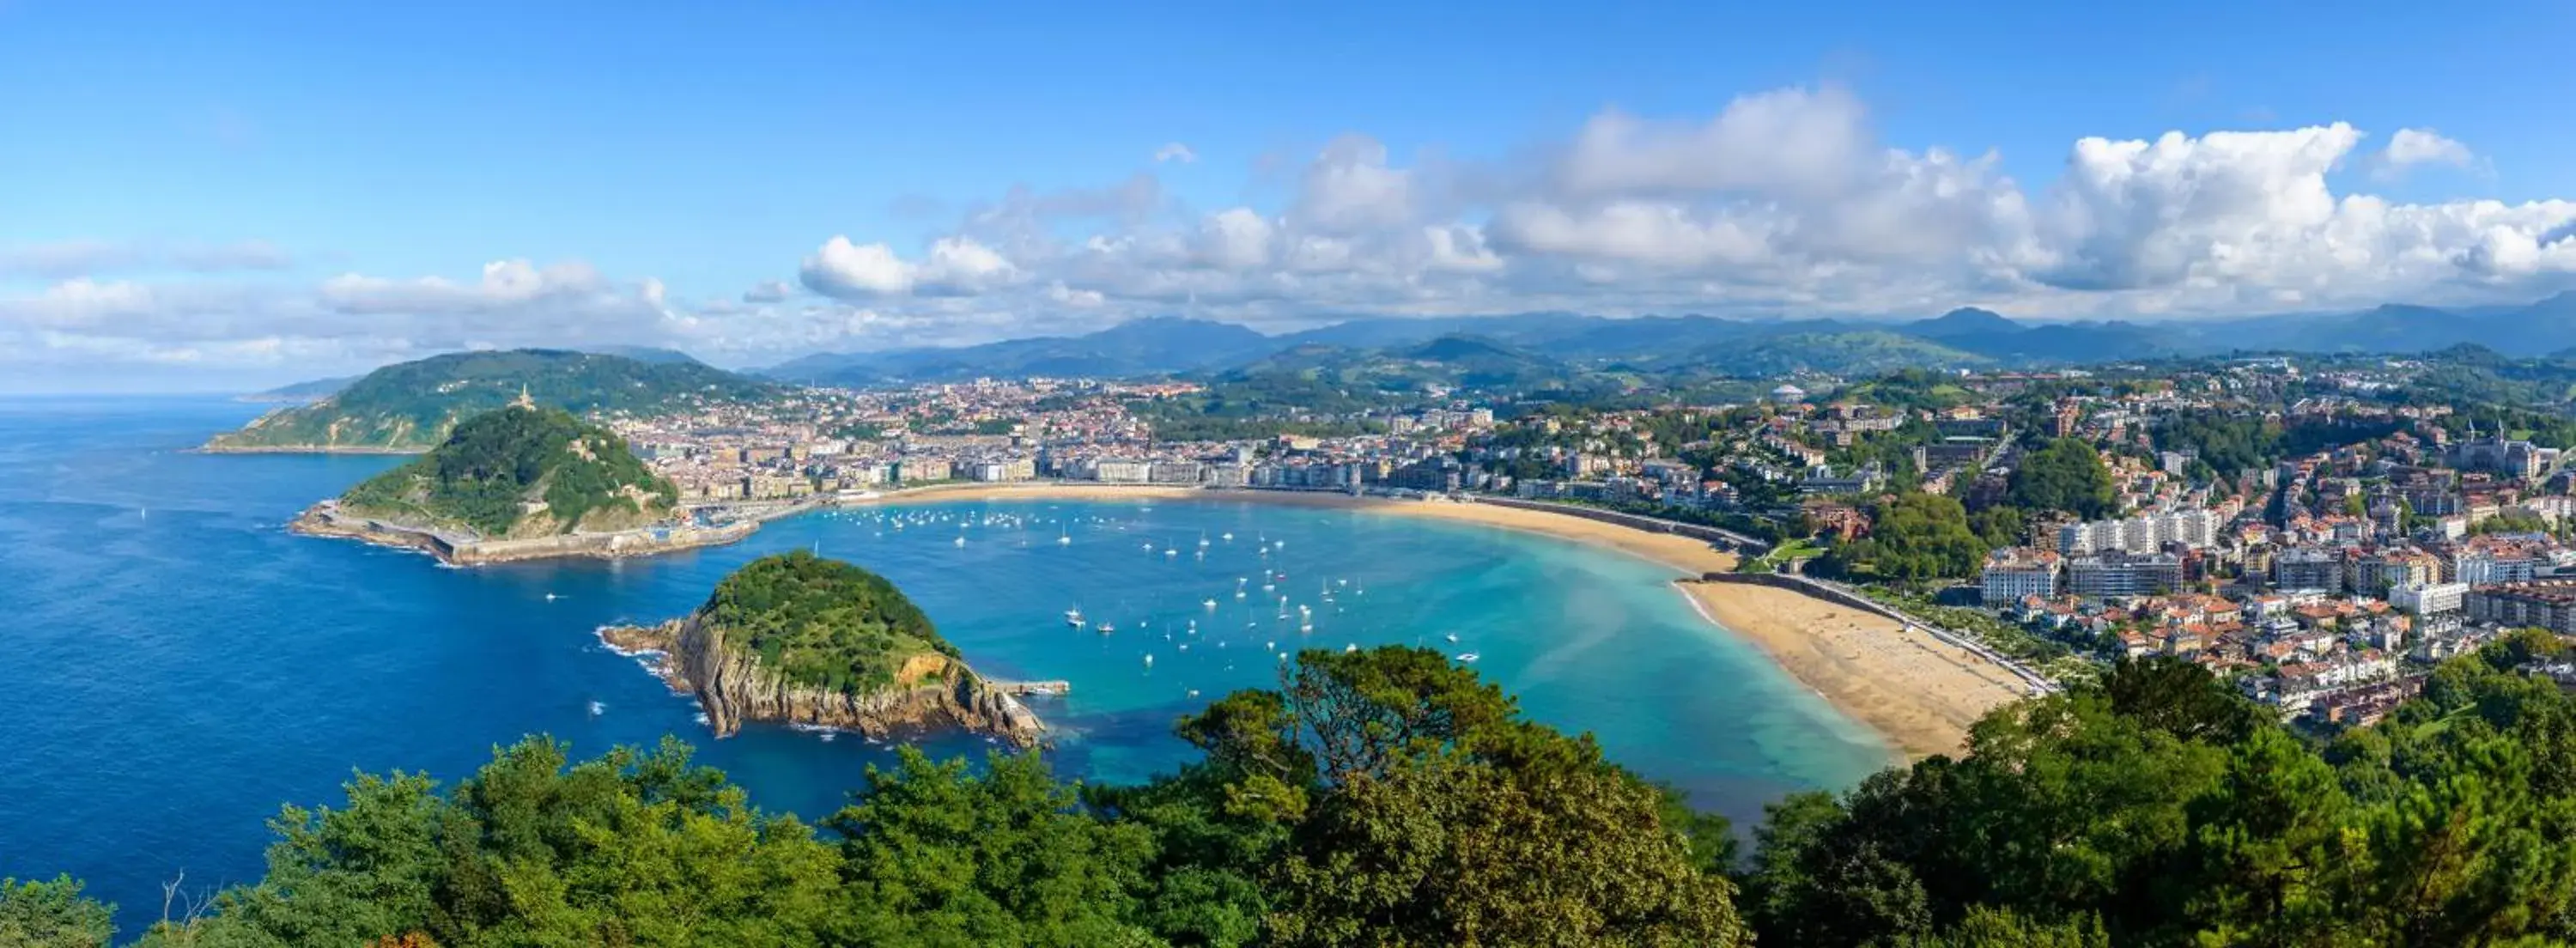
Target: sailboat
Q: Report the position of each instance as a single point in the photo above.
(1063, 538)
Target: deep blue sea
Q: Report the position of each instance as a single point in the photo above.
(179, 665)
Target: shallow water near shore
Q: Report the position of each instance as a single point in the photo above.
(182, 666)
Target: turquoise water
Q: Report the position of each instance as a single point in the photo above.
(181, 665)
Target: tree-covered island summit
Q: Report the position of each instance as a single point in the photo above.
(523, 482)
(797, 639)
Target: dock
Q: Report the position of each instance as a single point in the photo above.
(1024, 688)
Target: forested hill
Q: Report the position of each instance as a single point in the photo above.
(822, 623)
(1390, 797)
(519, 472)
(413, 405)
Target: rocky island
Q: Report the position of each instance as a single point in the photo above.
(523, 482)
(798, 639)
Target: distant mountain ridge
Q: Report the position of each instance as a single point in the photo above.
(412, 406)
(1967, 337)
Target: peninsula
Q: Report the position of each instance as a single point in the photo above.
(797, 639)
(520, 483)
(413, 406)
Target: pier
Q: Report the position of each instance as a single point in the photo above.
(1025, 688)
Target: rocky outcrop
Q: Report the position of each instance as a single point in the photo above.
(456, 548)
(930, 692)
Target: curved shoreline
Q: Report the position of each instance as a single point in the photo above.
(1917, 693)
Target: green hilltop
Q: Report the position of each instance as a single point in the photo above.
(413, 405)
(519, 472)
(822, 623)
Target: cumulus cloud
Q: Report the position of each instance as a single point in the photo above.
(1780, 202)
(844, 269)
(1175, 151)
(2417, 146)
(2411, 148)
(955, 266)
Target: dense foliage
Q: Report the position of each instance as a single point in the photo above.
(1375, 798)
(413, 405)
(496, 462)
(1391, 798)
(2160, 809)
(1914, 536)
(2230, 445)
(39, 914)
(821, 622)
(2064, 475)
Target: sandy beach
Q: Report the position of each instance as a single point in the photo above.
(1916, 692)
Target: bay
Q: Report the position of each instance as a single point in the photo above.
(182, 666)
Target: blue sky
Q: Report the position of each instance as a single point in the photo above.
(220, 191)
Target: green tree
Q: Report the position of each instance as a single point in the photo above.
(39, 914)
(2064, 475)
(937, 855)
(1420, 810)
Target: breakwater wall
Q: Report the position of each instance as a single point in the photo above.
(1843, 596)
(327, 520)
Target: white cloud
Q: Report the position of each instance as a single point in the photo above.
(1646, 232)
(1235, 239)
(1783, 202)
(955, 266)
(1350, 188)
(844, 269)
(1796, 140)
(1175, 151)
(504, 283)
(958, 266)
(2418, 146)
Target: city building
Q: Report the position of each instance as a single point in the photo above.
(2015, 572)
(2121, 573)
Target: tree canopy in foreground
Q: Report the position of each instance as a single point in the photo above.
(1389, 798)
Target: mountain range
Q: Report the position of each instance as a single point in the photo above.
(1961, 338)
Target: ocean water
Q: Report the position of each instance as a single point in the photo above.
(180, 665)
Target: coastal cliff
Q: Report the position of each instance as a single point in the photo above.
(796, 639)
(932, 692)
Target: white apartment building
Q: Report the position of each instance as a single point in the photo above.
(2014, 573)
(2144, 533)
(2423, 599)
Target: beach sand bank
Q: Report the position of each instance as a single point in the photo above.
(1917, 691)
(1913, 690)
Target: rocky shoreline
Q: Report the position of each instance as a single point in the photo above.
(326, 519)
(211, 447)
(931, 691)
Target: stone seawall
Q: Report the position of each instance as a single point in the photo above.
(327, 520)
